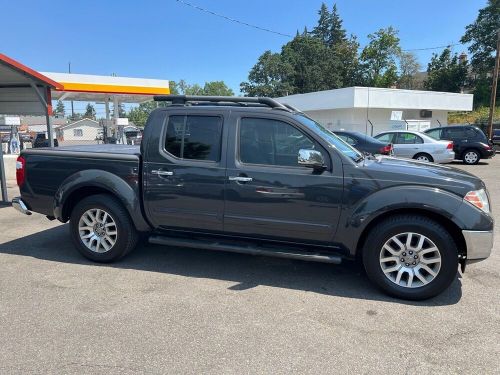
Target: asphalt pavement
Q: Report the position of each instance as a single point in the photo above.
(174, 310)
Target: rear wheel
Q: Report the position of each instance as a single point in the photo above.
(410, 257)
(423, 157)
(101, 228)
(471, 157)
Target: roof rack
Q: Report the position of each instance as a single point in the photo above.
(219, 100)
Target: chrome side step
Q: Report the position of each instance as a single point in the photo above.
(245, 249)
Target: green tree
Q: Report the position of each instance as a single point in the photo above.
(90, 112)
(269, 77)
(322, 29)
(408, 69)
(446, 72)
(313, 65)
(379, 58)
(60, 110)
(337, 34)
(217, 88)
(482, 36)
(139, 115)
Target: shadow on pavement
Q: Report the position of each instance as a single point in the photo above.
(346, 280)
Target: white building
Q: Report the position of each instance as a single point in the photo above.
(369, 110)
(81, 132)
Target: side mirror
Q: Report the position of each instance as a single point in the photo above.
(311, 159)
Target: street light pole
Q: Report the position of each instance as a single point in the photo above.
(494, 88)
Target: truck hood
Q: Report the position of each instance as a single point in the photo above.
(396, 171)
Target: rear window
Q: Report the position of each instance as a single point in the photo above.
(194, 137)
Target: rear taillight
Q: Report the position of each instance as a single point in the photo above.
(386, 150)
(20, 171)
(487, 147)
(450, 146)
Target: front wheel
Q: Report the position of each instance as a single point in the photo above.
(410, 257)
(101, 228)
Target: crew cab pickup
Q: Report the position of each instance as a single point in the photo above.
(254, 176)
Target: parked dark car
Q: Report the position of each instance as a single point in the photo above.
(42, 141)
(250, 175)
(470, 144)
(364, 142)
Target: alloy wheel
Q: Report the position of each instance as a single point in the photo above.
(97, 230)
(410, 260)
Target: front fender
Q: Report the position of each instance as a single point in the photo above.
(399, 198)
(127, 192)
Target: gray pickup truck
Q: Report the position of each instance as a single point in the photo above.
(254, 176)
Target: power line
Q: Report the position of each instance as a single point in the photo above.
(232, 19)
(431, 48)
(288, 35)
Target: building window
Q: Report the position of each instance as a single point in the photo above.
(78, 132)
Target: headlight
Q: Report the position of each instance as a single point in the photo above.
(479, 199)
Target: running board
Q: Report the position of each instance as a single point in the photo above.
(245, 249)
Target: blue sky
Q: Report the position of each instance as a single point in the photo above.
(168, 40)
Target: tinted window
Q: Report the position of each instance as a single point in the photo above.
(194, 137)
(386, 138)
(407, 139)
(271, 142)
(470, 133)
(454, 133)
(436, 133)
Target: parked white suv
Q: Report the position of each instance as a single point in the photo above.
(419, 146)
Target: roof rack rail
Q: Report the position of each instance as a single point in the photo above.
(243, 100)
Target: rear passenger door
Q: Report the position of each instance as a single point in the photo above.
(185, 176)
(268, 194)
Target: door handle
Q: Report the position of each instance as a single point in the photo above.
(240, 179)
(162, 173)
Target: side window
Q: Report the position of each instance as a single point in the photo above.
(436, 133)
(455, 133)
(470, 133)
(271, 142)
(386, 138)
(408, 139)
(194, 137)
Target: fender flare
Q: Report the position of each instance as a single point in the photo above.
(128, 194)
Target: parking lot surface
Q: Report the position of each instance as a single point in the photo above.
(172, 310)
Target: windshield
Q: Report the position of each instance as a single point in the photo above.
(331, 138)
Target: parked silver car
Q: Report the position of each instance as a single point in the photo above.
(419, 146)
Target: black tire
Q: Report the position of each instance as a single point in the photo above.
(126, 238)
(392, 226)
(430, 159)
(471, 157)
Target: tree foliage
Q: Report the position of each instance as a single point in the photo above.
(325, 58)
(408, 69)
(482, 36)
(379, 58)
(446, 72)
(90, 112)
(60, 110)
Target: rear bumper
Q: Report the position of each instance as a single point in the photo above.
(445, 157)
(20, 206)
(488, 154)
(479, 244)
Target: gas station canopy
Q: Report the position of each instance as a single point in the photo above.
(95, 88)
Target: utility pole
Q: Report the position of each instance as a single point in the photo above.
(494, 88)
(72, 109)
